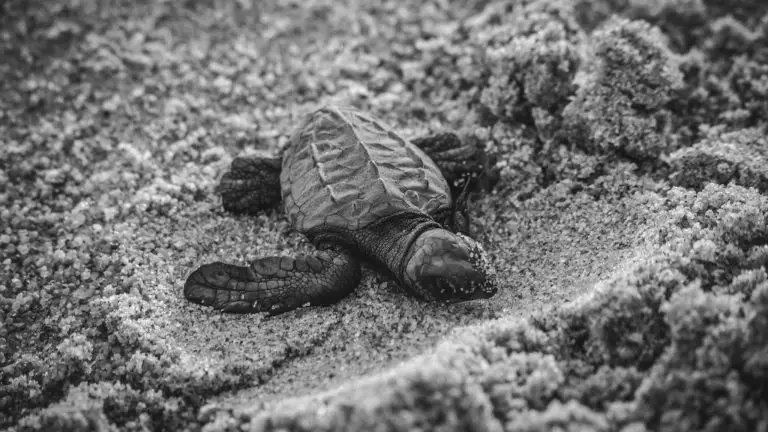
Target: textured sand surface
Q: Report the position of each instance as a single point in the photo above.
(628, 225)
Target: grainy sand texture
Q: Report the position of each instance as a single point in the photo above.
(628, 225)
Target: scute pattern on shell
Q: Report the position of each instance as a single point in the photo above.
(345, 170)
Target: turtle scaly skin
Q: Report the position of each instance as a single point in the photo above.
(358, 191)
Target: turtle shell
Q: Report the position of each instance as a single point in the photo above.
(344, 170)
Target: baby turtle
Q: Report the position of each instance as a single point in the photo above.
(359, 192)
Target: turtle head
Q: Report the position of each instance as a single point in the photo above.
(449, 267)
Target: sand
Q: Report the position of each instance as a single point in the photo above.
(628, 225)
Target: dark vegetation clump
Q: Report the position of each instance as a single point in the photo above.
(636, 126)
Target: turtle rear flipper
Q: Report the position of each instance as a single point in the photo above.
(275, 284)
(251, 184)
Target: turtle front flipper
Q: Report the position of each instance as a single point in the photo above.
(275, 284)
(251, 184)
(456, 218)
(459, 161)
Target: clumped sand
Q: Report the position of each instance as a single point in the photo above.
(628, 225)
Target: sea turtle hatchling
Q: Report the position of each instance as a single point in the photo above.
(359, 192)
